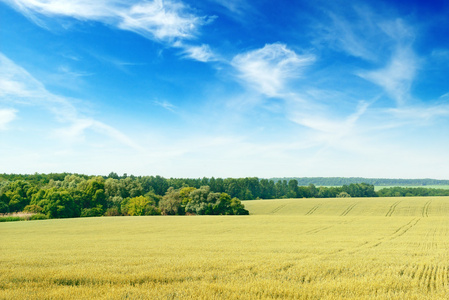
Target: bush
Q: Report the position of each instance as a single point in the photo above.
(112, 211)
(38, 217)
(92, 212)
(11, 219)
(237, 208)
(343, 195)
(151, 210)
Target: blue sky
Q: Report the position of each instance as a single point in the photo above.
(225, 88)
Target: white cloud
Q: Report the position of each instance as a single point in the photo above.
(397, 77)
(115, 62)
(349, 37)
(7, 115)
(398, 30)
(102, 10)
(360, 32)
(76, 132)
(418, 114)
(440, 55)
(165, 21)
(19, 87)
(234, 6)
(16, 81)
(162, 20)
(70, 73)
(268, 69)
(165, 104)
(337, 128)
(201, 53)
(329, 131)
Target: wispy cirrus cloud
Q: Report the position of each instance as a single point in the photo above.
(18, 87)
(7, 115)
(385, 42)
(16, 81)
(201, 53)
(236, 7)
(80, 9)
(343, 35)
(325, 124)
(167, 21)
(268, 69)
(329, 129)
(397, 77)
(440, 55)
(161, 20)
(361, 32)
(76, 132)
(166, 105)
(420, 114)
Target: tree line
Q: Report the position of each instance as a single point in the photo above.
(411, 191)
(74, 195)
(339, 181)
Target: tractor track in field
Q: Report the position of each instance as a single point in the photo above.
(348, 209)
(403, 229)
(313, 231)
(312, 210)
(392, 209)
(319, 229)
(399, 232)
(278, 209)
(396, 234)
(425, 209)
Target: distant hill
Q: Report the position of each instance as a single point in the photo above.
(339, 181)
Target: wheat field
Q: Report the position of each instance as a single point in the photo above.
(381, 248)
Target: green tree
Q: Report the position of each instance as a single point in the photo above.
(171, 202)
(237, 207)
(113, 175)
(4, 208)
(313, 191)
(293, 190)
(94, 194)
(15, 195)
(137, 205)
(59, 204)
(198, 201)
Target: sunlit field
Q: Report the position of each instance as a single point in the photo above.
(382, 248)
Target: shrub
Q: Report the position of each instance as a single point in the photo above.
(151, 210)
(38, 217)
(343, 195)
(92, 212)
(238, 208)
(11, 219)
(112, 211)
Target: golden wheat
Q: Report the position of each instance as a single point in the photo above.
(295, 248)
